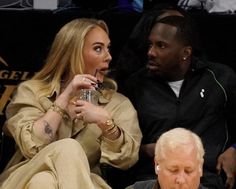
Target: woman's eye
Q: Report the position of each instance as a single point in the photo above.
(98, 49)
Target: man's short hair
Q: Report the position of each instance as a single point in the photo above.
(186, 29)
(178, 137)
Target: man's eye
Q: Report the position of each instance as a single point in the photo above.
(161, 45)
(149, 44)
(189, 171)
(173, 170)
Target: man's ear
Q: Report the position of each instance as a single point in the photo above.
(157, 169)
(186, 53)
(200, 170)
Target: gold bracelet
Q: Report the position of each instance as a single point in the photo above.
(59, 110)
(111, 128)
(118, 131)
(114, 134)
(112, 131)
(109, 125)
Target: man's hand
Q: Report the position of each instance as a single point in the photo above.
(227, 162)
(148, 150)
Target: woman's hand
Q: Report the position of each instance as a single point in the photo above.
(83, 81)
(80, 81)
(89, 112)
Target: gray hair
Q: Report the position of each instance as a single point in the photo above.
(178, 137)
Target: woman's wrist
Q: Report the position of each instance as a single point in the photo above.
(111, 130)
(62, 101)
(56, 108)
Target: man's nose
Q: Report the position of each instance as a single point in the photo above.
(151, 52)
(181, 178)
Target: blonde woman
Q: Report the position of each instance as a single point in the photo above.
(63, 140)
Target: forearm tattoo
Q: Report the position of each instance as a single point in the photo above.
(48, 129)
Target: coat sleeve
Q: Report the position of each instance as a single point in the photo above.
(123, 152)
(231, 107)
(21, 113)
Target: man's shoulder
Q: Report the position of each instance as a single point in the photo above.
(204, 63)
(202, 187)
(219, 70)
(139, 74)
(222, 68)
(136, 79)
(148, 184)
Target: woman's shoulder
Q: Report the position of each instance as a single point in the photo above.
(120, 97)
(112, 95)
(25, 92)
(28, 85)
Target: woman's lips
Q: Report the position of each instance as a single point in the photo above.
(104, 71)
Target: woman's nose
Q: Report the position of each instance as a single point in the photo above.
(108, 57)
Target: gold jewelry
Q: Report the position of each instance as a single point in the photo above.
(80, 116)
(59, 110)
(111, 127)
(113, 131)
(109, 122)
(75, 120)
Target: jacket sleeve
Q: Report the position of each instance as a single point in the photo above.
(231, 107)
(123, 152)
(21, 113)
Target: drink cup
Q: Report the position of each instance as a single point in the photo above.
(89, 95)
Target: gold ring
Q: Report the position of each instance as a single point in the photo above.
(75, 120)
(79, 116)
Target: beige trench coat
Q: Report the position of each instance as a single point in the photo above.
(30, 159)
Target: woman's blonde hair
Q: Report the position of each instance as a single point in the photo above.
(65, 57)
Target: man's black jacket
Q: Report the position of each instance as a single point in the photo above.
(206, 105)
